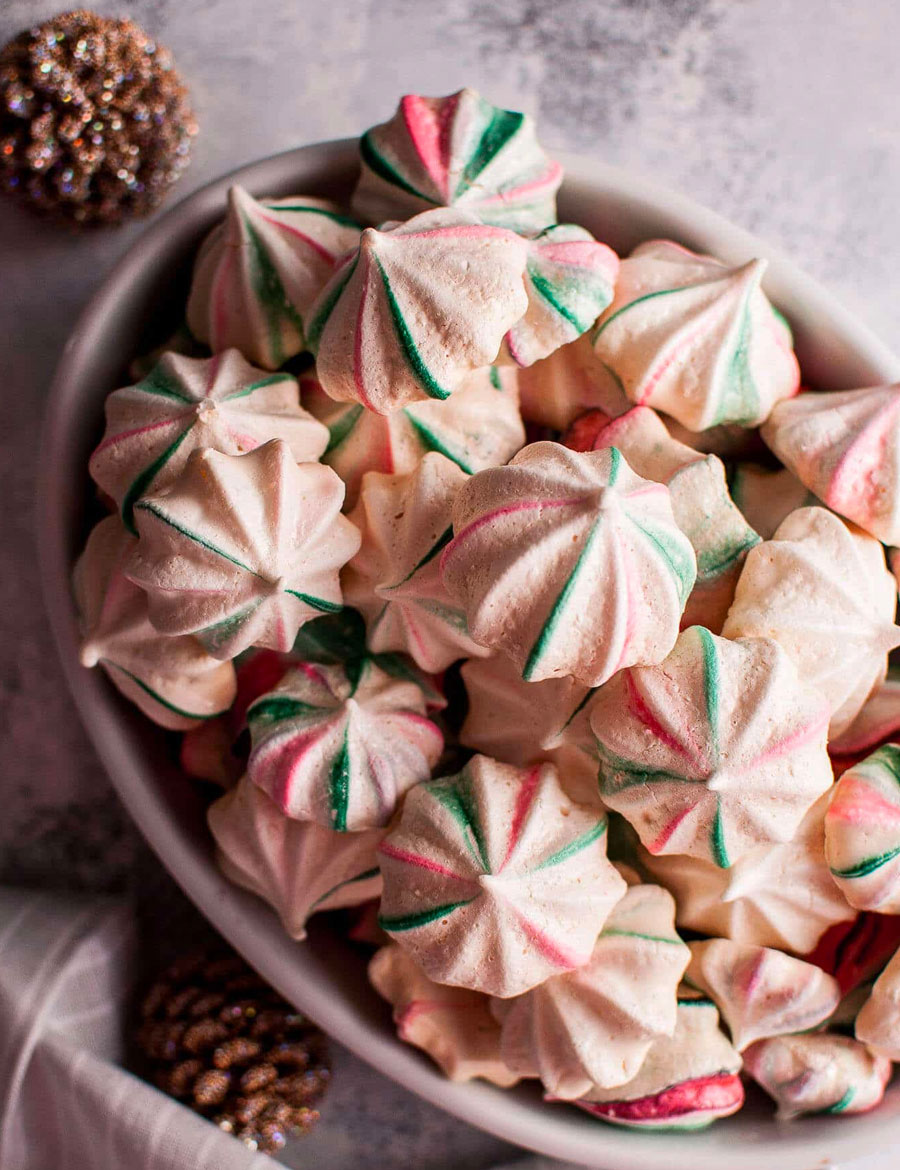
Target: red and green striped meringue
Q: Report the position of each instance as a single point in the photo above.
(259, 271)
(569, 278)
(241, 550)
(845, 448)
(494, 880)
(766, 496)
(415, 308)
(697, 339)
(862, 832)
(184, 403)
(819, 1072)
(821, 589)
(878, 1022)
(557, 389)
(457, 151)
(452, 1024)
(395, 580)
(715, 751)
(172, 680)
(340, 745)
(687, 1081)
(594, 1026)
(569, 563)
(298, 867)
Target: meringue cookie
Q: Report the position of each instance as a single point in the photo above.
(822, 590)
(241, 550)
(394, 580)
(818, 1073)
(184, 403)
(297, 867)
(687, 1080)
(569, 278)
(479, 426)
(878, 1023)
(172, 680)
(693, 337)
(554, 391)
(774, 896)
(767, 497)
(180, 341)
(494, 880)
(845, 447)
(569, 563)
(761, 992)
(595, 1025)
(416, 308)
(452, 1024)
(457, 151)
(259, 271)
(878, 720)
(715, 751)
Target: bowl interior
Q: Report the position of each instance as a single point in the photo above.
(138, 305)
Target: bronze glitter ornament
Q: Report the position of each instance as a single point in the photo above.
(95, 124)
(218, 1038)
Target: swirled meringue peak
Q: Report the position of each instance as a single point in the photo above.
(699, 340)
(184, 403)
(494, 880)
(569, 563)
(298, 867)
(417, 307)
(766, 496)
(687, 1080)
(845, 447)
(452, 1024)
(172, 680)
(595, 1025)
(554, 391)
(822, 590)
(457, 151)
(340, 745)
(394, 580)
(241, 550)
(259, 271)
(569, 278)
(818, 1072)
(761, 992)
(878, 1022)
(718, 749)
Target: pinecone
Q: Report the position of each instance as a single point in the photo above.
(218, 1038)
(95, 124)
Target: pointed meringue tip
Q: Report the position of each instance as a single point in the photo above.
(89, 655)
(752, 272)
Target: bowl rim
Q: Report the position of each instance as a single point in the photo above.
(251, 927)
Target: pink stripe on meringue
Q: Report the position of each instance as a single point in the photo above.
(856, 803)
(638, 707)
(218, 299)
(524, 801)
(849, 480)
(428, 134)
(505, 510)
(574, 254)
(550, 177)
(790, 743)
(557, 954)
(145, 430)
(653, 379)
(463, 231)
(416, 859)
(314, 245)
(657, 845)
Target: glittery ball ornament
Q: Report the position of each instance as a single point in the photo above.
(95, 124)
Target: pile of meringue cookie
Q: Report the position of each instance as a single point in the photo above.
(520, 587)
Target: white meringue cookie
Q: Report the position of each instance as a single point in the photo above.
(878, 1023)
(557, 389)
(767, 497)
(878, 720)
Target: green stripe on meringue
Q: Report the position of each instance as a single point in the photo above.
(333, 216)
(432, 442)
(403, 922)
(246, 391)
(273, 298)
(867, 866)
(678, 553)
(843, 1104)
(154, 510)
(503, 126)
(320, 320)
(548, 292)
(145, 479)
(575, 846)
(276, 708)
(339, 431)
(407, 343)
(162, 385)
(379, 165)
(711, 686)
(717, 841)
(360, 877)
(319, 603)
(456, 798)
(156, 696)
(339, 785)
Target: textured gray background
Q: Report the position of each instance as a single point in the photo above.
(781, 114)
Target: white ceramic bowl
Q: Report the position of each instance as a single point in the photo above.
(323, 976)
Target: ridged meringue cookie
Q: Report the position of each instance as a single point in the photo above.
(718, 749)
(878, 1022)
(417, 307)
(259, 271)
(478, 426)
(767, 497)
(595, 1025)
(457, 151)
(569, 278)
(845, 447)
(822, 590)
(494, 880)
(395, 580)
(569, 563)
(298, 867)
(687, 1080)
(877, 721)
(554, 391)
(184, 403)
(862, 832)
(696, 338)
(819, 1072)
(761, 992)
(452, 1024)
(172, 680)
(774, 896)
(340, 745)
(241, 550)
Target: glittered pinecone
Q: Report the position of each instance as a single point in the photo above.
(219, 1039)
(95, 124)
